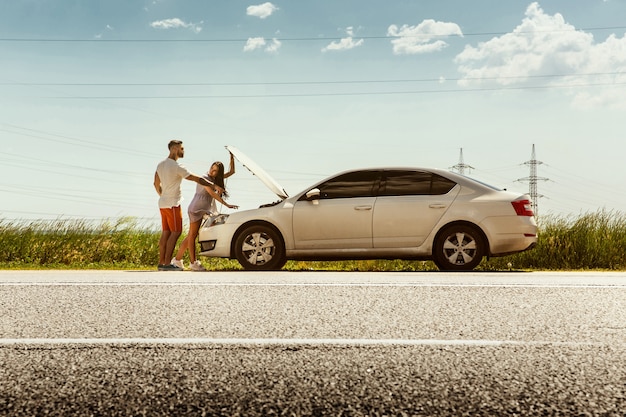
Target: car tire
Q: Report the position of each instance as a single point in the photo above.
(260, 248)
(459, 248)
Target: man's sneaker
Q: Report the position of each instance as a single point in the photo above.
(170, 267)
(179, 263)
(197, 266)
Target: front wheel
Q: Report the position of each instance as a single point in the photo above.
(459, 248)
(260, 248)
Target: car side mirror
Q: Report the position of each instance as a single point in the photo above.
(313, 195)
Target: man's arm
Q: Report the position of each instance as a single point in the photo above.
(203, 182)
(157, 183)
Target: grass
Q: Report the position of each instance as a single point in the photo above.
(589, 241)
(77, 245)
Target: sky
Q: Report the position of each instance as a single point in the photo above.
(92, 91)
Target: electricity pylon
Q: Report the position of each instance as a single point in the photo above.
(532, 181)
(460, 167)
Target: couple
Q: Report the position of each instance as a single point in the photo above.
(167, 182)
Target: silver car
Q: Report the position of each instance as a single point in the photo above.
(375, 213)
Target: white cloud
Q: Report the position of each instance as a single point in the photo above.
(254, 43)
(344, 43)
(260, 43)
(544, 45)
(176, 23)
(274, 46)
(261, 10)
(423, 38)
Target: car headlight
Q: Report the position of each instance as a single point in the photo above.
(217, 220)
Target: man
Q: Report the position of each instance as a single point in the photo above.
(167, 183)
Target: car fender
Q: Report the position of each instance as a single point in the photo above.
(429, 244)
(276, 217)
(253, 223)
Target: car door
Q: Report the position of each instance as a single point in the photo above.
(341, 216)
(409, 205)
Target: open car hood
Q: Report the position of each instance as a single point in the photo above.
(258, 172)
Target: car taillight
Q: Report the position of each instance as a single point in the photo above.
(523, 207)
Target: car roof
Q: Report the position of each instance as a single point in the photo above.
(458, 178)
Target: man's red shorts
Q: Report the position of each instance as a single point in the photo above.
(172, 219)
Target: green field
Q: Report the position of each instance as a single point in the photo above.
(588, 241)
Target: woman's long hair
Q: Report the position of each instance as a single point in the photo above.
(219, 178)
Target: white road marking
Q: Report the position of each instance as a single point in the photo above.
(296, 284)
(289, 342)
(569, 279)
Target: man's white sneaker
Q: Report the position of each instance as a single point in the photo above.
(179, 263)
(197, 266)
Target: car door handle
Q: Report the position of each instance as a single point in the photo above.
(363, 208)
(437, 205)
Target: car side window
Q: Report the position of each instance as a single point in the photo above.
(441, 185)
(351, 184)
(408, 182)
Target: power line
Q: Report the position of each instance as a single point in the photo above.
(65, 216)
(332, 82)
(337, 94)
(69, 140)
(302, 39)
(28, 163)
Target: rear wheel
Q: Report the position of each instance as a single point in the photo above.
(260, 248)
(459, 248)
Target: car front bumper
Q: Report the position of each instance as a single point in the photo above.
(215, 241)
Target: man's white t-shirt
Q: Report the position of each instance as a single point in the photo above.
(171, 174)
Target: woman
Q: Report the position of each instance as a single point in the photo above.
(200, 205)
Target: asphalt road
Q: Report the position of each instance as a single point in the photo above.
(313, 343)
